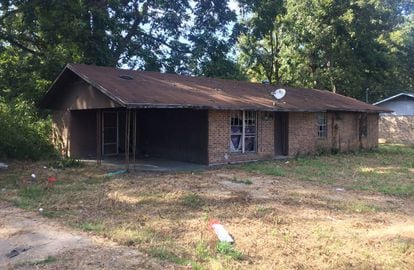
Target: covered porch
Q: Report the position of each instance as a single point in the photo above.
(132, 136)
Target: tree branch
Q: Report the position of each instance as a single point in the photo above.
(17, 44)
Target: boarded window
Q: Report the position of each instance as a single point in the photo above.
(243, 131)
(322, 125)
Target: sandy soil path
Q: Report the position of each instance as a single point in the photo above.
(42, 243)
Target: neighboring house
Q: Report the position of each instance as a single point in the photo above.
(101, 111)
(398, 126)
(400, 104)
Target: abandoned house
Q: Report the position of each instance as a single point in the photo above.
(100, 112)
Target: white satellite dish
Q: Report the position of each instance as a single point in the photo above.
(279, 93)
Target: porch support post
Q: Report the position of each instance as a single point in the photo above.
(98, 136)
(134, 136)
(127, 136)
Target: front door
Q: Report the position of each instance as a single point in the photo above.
(281, 133)
(110, 133)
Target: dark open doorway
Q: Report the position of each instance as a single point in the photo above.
(281, 133)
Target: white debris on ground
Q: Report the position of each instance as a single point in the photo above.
(3, 166)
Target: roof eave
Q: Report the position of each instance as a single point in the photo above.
(393, 97)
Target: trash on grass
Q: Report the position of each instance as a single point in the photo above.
(221, 232)
(116, 172)
(3, 166)
(340, 189)
(41, 210)
(51, 179)
(33, 177)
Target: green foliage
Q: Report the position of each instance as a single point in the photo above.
(246, 182)
(163, 253)
(23, 134)
(192, 200)
(30, 197)
(66, 163)
(202, 250)
(344, 46)
(91, 227)
(269, 168)
(227, 249)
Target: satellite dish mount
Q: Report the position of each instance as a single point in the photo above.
(278, 94)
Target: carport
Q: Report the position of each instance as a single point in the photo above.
(167, 134)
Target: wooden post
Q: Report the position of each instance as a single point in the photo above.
(98, 136)
(134, 136)
(127, 136)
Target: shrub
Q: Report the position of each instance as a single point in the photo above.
(23, 135)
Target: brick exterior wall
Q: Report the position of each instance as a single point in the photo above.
(219, 139)
(343, 134)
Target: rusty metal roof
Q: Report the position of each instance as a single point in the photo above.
(144, 89)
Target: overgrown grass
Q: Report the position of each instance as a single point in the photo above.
(192, 200)
(29, 197)
(65, 163)
(96, 227)
(163, 253)
(246, 182)
(268, 168)
(389, 170)
(166, 215)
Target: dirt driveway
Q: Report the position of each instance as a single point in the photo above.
(38, 242)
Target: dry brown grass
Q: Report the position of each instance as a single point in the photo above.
(277, 222)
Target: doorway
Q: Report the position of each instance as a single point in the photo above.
(281, 133)
(110, 133)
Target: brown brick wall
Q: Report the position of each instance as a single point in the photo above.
(342, 135)
(219, 139)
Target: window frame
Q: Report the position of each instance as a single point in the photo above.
(322, 123)
(248, 119)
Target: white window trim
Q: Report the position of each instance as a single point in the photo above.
(324, 125)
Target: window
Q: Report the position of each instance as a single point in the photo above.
(322, 125)
(243, 131)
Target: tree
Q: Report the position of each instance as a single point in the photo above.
(344, 46)
(262, 39)
(212, 38)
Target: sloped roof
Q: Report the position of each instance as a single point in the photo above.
(143, 89)
(394, 97)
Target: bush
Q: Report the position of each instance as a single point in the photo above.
(23, 135)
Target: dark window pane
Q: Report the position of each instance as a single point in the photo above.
(236, 130)
(250, 144)
(250, 130)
